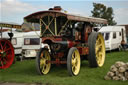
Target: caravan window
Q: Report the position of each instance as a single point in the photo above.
(120, 33)
(107, 36)
(102, 34)
(114, 35)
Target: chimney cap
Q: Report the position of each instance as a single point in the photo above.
(58, 8)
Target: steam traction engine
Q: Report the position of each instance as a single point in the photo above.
(69, 38)
(6, 48)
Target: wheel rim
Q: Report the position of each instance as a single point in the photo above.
(44, 64)
(6, 54)
(75, 62)
(100, 50)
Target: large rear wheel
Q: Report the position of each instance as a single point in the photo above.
(96, 49)
(6, 54)
(73, 62)
(42, 64)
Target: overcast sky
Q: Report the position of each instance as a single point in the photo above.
(15, 10)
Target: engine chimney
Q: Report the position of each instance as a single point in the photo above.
(57, 8)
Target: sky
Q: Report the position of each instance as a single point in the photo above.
(15, 10)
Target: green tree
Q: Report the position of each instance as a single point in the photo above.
(101, 11)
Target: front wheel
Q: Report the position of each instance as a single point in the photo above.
(42, 61)
(73, 62)
(6, 54)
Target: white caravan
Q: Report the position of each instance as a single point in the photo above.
(31, 44)
(17, 42)
(113, 36)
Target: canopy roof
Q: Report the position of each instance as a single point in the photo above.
(34, 17)
(10, 25)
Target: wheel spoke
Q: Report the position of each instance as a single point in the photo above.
(7, 49)
(98, 38)
(98, 61)
(99, 57)
(98, 48)
(98, 41)
(46, 56)
(73, 56)
(76, 62)
(8, 53)
(1, 46)
(41, 65)
(9, 56)
(4, 47)
(100, 45)
(73, 59)
(4, 60)
(73, 62)
(44, 68)
(2, 64)
(47, 66)
(73, 68)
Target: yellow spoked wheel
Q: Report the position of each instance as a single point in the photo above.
(43, 66)
(73, 62)
(96, 49)
(100, 50)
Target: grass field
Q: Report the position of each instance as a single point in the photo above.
(25, 72)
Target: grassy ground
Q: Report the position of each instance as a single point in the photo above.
(25, 72)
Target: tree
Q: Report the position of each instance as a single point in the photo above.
(101, 11)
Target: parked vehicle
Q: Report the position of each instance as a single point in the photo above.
(69, 43)
(6, 48)
(17, 42)
(31, 44)
(113, 36)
